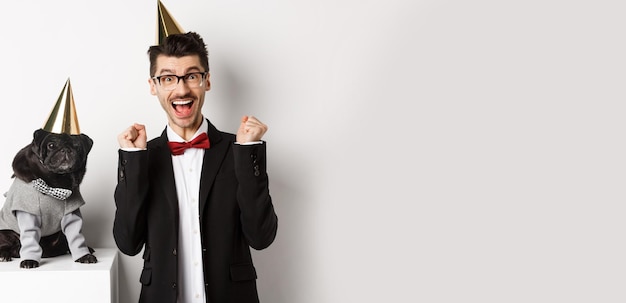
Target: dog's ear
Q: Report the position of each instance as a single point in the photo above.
(87, 143)
(38, 137)
(25, 163)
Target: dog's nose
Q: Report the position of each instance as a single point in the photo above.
(67, 151)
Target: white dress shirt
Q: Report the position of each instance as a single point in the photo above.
(187, 171)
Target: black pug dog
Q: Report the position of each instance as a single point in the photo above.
(41, 215)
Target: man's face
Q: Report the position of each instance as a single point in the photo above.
(183, 104)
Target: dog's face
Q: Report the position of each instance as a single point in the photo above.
(61, 153)
(59, 159)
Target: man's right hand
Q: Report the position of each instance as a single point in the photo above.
(133, 137)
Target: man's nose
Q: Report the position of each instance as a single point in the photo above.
(182, 86)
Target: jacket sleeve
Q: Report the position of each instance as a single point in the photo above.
(258, 218)
(129, 226)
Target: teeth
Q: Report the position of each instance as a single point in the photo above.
(182, 102)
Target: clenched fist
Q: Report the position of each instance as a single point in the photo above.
(250, 130)
(133, 137)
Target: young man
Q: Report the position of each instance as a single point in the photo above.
(195, 207)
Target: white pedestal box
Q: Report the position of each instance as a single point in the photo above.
(60, 279)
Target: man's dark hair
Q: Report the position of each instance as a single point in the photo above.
(179, 45)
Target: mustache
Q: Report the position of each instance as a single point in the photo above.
(185, 96)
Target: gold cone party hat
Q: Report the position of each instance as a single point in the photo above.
(166, 24)
(63, 119)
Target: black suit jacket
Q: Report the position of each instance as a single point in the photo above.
(236, 213)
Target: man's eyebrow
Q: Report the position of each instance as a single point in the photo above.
(193, 69)
(166, 71)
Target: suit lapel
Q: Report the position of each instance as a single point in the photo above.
(163, 156)
(211, 163)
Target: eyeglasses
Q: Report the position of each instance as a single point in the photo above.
(169, 82)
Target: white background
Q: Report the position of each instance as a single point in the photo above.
(419, 151)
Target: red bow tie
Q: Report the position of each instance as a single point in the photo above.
(178, 148)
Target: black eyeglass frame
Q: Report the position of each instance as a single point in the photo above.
(178, 78)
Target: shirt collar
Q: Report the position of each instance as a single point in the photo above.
(174, 137)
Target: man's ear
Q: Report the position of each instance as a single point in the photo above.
(153, 90)
(208, 82)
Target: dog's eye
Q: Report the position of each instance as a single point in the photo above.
(50, 145)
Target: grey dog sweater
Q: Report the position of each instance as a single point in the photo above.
(24, 197)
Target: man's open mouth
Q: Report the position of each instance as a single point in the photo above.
(182, 107)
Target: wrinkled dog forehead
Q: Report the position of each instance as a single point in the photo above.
(58, 140)
(43, 138)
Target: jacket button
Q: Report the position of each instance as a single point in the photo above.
(256, 170)
(174, 251)
(173, 285)
(121, 174)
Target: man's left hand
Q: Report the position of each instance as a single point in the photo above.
(250, 130)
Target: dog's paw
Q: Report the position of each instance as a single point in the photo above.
(29, 264)
(5, 256)
(88, 258)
